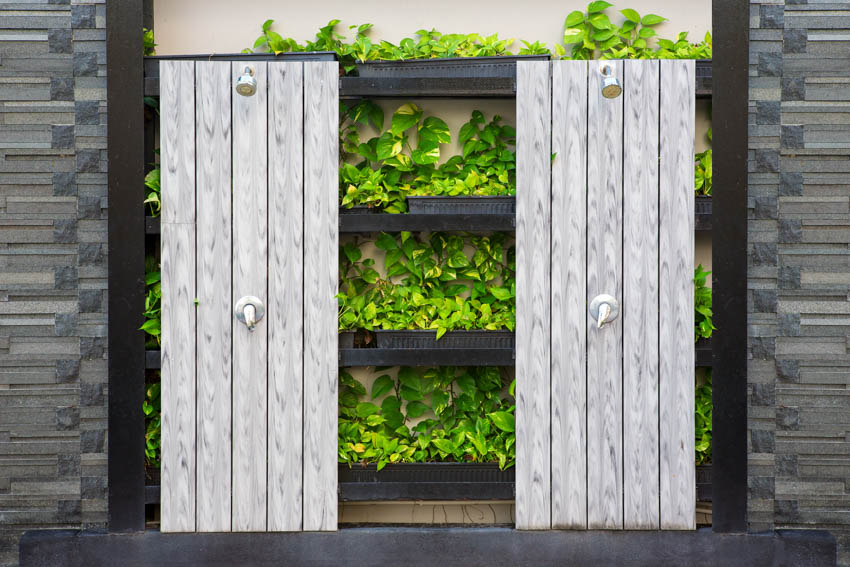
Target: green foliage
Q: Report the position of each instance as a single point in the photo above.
(384, 170)
(703, 420)
(153, 423)
(592, 35)
(148, 42)
(587, 35)
(153, 296)
(442, 282)
(428, 415)
(703, 327)
(153, 194)
(703, 170)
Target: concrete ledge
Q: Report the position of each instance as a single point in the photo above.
(413, 547)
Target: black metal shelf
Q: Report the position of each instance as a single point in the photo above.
(468, 77)
(426, 481)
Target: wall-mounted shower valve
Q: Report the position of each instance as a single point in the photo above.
(249, 310)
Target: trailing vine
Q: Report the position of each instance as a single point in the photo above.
(443, 282)
(703, 325)
(428, 415)
(704, 410)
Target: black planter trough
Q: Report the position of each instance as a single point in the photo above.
(703, 483)
(470, 205)
(360, 210)
(447, 67)
(425, 339)
(426, 481)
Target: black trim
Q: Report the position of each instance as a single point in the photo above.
(427, 546)
(729, 265)
(126, 466)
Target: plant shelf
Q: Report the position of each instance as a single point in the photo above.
(426, 481)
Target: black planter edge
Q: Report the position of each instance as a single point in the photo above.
(426, 545)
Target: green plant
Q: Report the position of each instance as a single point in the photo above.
(390, 167)
(593, 35)
(153, 296)
(153, 423)
(703, 326)
(429, 283)
(152, 197)
(148, 42)
(703, 420)
(428, 415)
(703, 170)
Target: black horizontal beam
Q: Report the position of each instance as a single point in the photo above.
(423, 546)
(704, 355)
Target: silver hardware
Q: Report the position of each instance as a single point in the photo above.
(249, 310)
(611, 87)
(246, 85)
(604, 309)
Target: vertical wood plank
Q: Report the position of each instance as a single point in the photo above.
(640, 296)
(250, 265)
(533, 389)
(214, 309)
(178, 293)
(321, 241)
(285, 313)
(569, 205)
(604, 275)
(676, 249)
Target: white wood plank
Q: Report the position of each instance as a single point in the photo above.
(569, 241)
(285, 313)
(321, 241)
(178, 293)
(640, 296)
(604, 275)
(250, 265)
(533, 389)
(214, 310)
(676, 380)
(177, 134)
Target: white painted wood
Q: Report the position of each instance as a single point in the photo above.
(250, 265)
(177, 135)
(178, 292)
(569, 241)
(533, 389)
(676, 382)
(640, 295)
(604, 276)
(321, 242)
(214, 310)
(285, 304)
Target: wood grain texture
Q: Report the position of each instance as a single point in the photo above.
(604, 275)
(214, 310)
(250, 265)
(533, 389)
(569, 241)
(640, 296)
(676, 250)
(178, 293)
(177, 133)
(321, 242)
(285, 305)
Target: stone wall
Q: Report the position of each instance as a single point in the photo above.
(53, 280)
(799, 267)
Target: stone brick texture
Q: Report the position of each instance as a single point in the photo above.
(53, 279)
(799, 267)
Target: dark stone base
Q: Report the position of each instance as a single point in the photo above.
(420, 546)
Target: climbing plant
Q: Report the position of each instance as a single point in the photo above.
(702, 420)
(428, 415)
(703, 326)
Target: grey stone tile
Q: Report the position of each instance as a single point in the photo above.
(794, 41)
(59, 41)
(87, 112)
(67, 419)
(85, 64)
(67, 371)
(82, 16)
